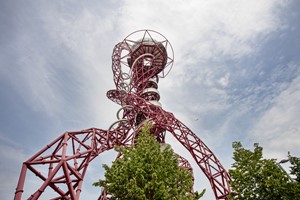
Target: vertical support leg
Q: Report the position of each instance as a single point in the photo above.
(19, 189)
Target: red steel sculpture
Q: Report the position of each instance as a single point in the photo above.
(137, 63)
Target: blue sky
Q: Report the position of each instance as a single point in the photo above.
(236, 75)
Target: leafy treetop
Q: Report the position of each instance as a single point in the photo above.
(254, 177)
(144, 172)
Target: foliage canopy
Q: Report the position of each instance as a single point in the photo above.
(295, 168)
(254, 177)
(147, 172)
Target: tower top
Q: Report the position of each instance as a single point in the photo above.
(151, 47)
(142, 55)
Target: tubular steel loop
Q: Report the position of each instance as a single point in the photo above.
(120, 121)
(129, 107)
(141, 56)
(125, 76)
(125, 86)
(134, 64)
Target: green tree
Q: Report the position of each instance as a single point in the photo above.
(254, 177)
(295, 168)
(145, 172)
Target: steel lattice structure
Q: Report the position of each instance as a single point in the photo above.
(137, 63)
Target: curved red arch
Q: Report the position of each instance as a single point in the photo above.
(66, 159)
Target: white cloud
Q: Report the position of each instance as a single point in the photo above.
(204, 28)
(69, 63)
(29, 73)
(279, 128)
(203, 34)
(88, 36)
(199, 31)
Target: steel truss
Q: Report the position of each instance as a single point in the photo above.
(62, 164)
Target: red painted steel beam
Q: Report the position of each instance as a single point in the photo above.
(137, 65)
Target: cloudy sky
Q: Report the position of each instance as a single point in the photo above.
(236, 75)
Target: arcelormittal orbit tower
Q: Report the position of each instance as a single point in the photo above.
(137, 63)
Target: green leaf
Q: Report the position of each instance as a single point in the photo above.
(146, 172)
(253, 177)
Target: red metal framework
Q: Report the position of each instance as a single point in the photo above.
(137, 62)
